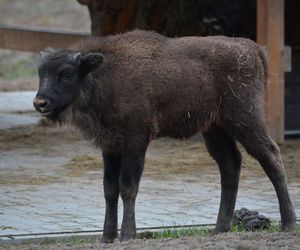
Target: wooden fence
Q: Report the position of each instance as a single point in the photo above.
(26, 38)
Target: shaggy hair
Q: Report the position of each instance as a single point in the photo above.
(150, 84)
(125, 90)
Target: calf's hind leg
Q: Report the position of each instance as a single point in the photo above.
(223, 149)
(256, 141)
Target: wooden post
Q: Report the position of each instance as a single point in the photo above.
(109, 17)
(262, 22)
(270, 32)
(275, 91)
(262, 34)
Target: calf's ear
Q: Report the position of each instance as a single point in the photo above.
(90, 62)
(46, 52)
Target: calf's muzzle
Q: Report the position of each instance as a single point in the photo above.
(41, 104)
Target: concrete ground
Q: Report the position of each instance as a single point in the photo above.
(16, 108)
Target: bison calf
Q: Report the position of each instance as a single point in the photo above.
(125, 90)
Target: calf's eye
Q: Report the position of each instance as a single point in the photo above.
(66, 77)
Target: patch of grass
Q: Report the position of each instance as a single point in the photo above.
(274, 228)
(24, 179)
(79, 241)
(182, 232)
(23, 69)
(177, 232)
(73, 241)
(239, 228)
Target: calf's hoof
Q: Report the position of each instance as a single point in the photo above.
(221, 229)
(108, 239)
(127, 237)
(288, 226)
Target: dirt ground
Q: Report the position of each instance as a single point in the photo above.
(174, 155)
(240, 241)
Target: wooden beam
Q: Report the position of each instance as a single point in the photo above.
(262, 22)
(270, 32)
(35, 39)
(275, 89)
(262, 35)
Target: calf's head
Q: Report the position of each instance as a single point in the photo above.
(62, 74)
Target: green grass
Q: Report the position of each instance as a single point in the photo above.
(274, 228)
(79, 241)
(178, 232)
(181, 232)
(23, 69)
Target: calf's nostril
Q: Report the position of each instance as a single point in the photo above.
(43, 104)
(40, 102)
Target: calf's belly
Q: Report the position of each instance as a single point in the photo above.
(187, 125)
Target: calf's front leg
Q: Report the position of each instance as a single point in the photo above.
(112, 164)
(131, 170)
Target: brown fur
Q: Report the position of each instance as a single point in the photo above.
(150, 86)
(169, 87)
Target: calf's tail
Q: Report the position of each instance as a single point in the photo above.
(263, 58)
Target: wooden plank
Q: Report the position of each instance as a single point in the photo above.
(262, 35)
(275, 86)
(270, 33)
(34, 39)
(262, 22)
(125, 17)
(287, 57)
